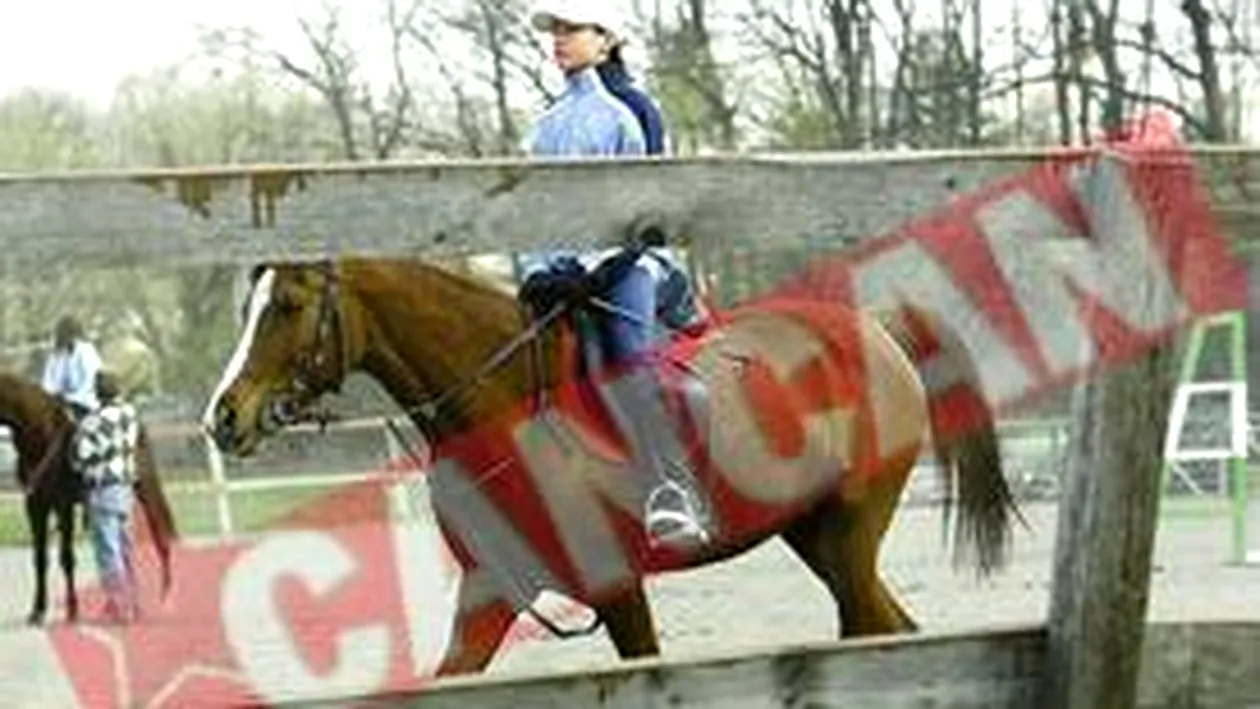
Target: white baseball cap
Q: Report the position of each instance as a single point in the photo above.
(576, 12)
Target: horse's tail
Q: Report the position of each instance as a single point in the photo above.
(157, 509)
(964, 435)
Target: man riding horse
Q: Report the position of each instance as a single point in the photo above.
(71, 368)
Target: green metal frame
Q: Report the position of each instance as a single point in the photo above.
(1236, 321)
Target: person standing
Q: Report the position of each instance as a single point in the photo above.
(104, 454)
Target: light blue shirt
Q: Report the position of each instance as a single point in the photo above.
(585, 121)
(72, 374)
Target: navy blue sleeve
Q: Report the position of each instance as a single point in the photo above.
(643, 108)
(653, 127)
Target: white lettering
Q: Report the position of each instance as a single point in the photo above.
(907, 274)
(1029, 241)
(263, 644)
(1125, 272)
(736, 441)
(429, 586)
(896, 402)
(488, 535)
(1042, 257)
(572, 479)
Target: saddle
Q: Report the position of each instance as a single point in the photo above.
(581, 372)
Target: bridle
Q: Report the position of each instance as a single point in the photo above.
(309, 378)
(430, 414)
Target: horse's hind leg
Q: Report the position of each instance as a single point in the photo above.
(37, 520)
(65, 529)
(839, 542)
(628, 618)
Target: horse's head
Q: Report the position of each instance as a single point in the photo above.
(295, 346)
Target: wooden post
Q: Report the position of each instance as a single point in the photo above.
(1108, 514)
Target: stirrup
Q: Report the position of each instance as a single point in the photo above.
(671, 526)
(685, 529)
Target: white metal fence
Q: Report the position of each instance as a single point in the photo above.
(400, 471)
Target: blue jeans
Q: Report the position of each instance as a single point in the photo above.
(624, 338)
(109, 515)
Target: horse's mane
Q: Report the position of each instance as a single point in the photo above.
(20, 398)
(439, 284)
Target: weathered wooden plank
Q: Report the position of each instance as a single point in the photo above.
(1183, 664)
(236, 214)
(992, 670)
(1205, 665)
(1226, 658)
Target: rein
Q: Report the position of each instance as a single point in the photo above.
(607, 273)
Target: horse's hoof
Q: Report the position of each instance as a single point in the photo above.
(35, 618)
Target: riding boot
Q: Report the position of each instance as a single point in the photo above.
(674, 513)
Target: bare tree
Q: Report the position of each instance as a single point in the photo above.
(687, 75)
(508, 54)
(336, 75)
(1209, 73)
(826, 45)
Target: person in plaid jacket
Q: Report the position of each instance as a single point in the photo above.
(104, 454)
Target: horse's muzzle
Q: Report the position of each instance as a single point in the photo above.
(223, 430)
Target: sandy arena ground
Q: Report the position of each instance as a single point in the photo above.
(766, 597)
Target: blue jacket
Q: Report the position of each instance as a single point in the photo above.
(586, 120)
(589, 119)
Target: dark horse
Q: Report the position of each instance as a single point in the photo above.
(838, 391)
(42, 432)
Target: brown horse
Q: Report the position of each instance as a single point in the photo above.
(836, 385)
(42, 431)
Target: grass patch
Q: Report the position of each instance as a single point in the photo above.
(1196, 507)
(196, 512)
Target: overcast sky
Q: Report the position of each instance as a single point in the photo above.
(88, 46)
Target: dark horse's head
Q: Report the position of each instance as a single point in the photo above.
(296, 345)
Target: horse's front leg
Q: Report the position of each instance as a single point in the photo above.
(37, 511)
(477, 633)
(65, 529)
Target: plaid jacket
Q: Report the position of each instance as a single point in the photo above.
(105, 445)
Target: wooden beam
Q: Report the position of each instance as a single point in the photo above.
(246, 214)
(1197, 664)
